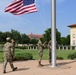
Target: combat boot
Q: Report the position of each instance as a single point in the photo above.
(39, 64)
(14, 69)
(49, 61)
(4, 71)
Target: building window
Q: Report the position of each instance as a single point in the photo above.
(73, 42)
(73, 35)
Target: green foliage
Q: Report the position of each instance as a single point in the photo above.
(65, 40)
(23, 56)
(25, 39)
(33, 41)
(59, 58)
(59, 54)
(47, 35)
(16, 36)
(72, 56)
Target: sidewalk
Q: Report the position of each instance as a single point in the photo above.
(30, 67)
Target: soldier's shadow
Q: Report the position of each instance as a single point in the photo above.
(22, 69)
(62, 63)
(19, 69)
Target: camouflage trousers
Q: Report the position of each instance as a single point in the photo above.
(7, 59)
(40, 56)
(49, 55)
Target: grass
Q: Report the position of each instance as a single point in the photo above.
(59, 53)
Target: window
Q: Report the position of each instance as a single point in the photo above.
(73, 42)
(73, 35)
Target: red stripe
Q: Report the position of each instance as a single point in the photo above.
(7, 10)
(14, 3)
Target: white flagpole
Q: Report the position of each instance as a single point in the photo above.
(53, 30)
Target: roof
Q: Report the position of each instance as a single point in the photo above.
(72, 25)
(35, 35)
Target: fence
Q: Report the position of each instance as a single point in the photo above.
(66, 47)
(58, 48)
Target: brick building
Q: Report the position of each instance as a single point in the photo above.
(35, 36)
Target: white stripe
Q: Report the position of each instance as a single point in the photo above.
(15, 8)
(28, 9)
(26, 12)
(24, 8)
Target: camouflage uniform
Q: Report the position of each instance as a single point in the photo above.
(40, 51)
(49, 47)
(7, 54)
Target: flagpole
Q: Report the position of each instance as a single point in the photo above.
(53, 30)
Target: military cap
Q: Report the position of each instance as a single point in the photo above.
(8, 38)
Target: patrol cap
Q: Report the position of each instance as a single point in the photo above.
(8, 38)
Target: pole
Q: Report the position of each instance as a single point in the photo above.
(53, 30)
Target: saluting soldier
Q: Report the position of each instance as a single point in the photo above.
(40, 51)
(7, 54)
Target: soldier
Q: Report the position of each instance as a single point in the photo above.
(49, 47)
(8, 55)
(40, 52)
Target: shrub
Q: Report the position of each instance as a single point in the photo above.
(60, 58)
(23, 56)
(72, 56)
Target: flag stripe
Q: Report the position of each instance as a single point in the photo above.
(18, 5)
(15, 2)
(13, 8)
(27, 7)
(27, 11)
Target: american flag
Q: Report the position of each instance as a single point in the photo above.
(18, 7)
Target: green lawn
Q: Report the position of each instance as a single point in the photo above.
(59, 53)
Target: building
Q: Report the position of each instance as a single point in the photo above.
(72, 34)
(35, 36)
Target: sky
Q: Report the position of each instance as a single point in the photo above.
(38, 22)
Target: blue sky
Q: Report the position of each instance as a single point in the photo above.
(38, 22)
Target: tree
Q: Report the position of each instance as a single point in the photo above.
(16, 36)
(1, 39)
(68, 39)
(47, 35)
(33, 41)
(65, 40)
(5, 35)
(25, 39)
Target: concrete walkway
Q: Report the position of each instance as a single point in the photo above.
(64, 67)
